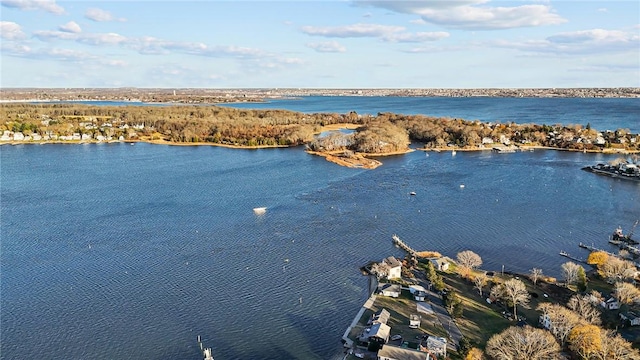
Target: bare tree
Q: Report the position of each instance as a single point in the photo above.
(480, 281)
(560, 320)
(523, 343)
(615, 269)
(587, 307)
(468, 260)
(614, 347)
(535, 275)
(570, 272)
(626, 293)
(515, 292)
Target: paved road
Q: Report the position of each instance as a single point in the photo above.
(441, 313)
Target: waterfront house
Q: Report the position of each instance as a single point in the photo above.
(437, 345)
(419, 293)
(392, 352)
(440, 264)
(391, 290)
(610, 304)
(381, 316)
(18, 136)
(375, 336)
(632, 317)
(394, 268)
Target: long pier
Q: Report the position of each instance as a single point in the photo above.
(562, 253)
(402, 245)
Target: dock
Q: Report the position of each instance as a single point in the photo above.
(593, 248)
(402, 245)
(562, 253)
(206, 352)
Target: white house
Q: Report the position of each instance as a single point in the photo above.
(18, 136)
(391, 290)
(610, 304)
(381, 316)
(392, 352)
(545, 321)
(437, 345)
(439, 264)
(394, 267)
(6, 136)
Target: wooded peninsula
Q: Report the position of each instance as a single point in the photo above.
(371, 135)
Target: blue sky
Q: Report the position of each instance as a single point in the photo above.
(320, 44)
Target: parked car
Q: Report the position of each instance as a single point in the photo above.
(396, 337)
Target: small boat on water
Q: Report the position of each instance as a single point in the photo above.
(260, 210)
(413, 193)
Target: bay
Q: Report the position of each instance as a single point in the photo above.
(112, 251)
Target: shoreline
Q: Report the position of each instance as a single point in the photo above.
(365, 155)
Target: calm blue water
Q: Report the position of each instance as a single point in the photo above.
(113, 251)
(602, 113)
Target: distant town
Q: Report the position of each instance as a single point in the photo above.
(195, 96)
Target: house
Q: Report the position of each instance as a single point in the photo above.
(632, 317)
(6, 136)
(381, 316)
(394, 267)
(440, 264)
(545, 321)
(414, 321)
(392, 290)
(378, 334)
(391, 352)
(437, 345)
(18, 136)
(610, 304)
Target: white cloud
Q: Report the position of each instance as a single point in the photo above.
(594, 41)
(11, 31)
(46, 35)
(47, 53)
(604, 10)
(100, 15)
(418, 22)
(45, 5)
(71, 27)
(417, 37)
(383, 32)
(472, 14)
(114, 63)
(355, 30)
(327, 47)
(102, 39)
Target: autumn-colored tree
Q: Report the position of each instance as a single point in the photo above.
(615, 269)
(474, 354)
(523, 343)
(561, 320)
(626, 293)
(584, 340)
(597, 258)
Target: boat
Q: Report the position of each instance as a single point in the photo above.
(618, 237)
(453, 153)
(260, 210)
(413, 193)
(620, 170)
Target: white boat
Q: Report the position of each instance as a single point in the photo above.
(453, 153)
(260, 210)
(413, 193)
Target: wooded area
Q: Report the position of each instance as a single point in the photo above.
(383, 132)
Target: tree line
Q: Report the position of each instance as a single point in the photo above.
(382, 132)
